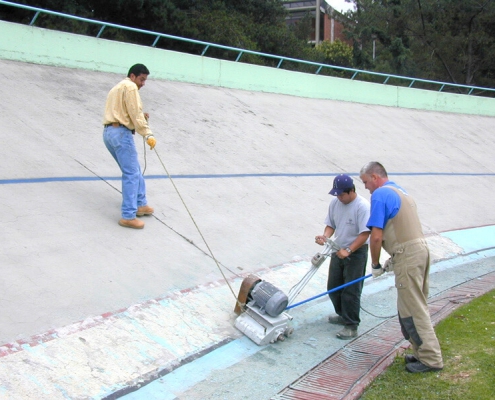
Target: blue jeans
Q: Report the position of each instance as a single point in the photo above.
(120, 143)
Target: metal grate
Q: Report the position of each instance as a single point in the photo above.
(346, 373)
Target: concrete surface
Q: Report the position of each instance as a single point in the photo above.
(90, 309)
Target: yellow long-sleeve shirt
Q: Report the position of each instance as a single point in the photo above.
(125, 107)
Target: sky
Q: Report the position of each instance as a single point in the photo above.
(340, 5)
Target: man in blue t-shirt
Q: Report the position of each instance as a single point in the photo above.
(395, 226)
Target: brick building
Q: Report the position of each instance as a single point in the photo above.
(330, 25)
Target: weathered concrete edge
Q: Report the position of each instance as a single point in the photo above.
(43, 46)
(186, 376)
(132, 347)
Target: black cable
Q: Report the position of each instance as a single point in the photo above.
(453, 299)
(377, 316)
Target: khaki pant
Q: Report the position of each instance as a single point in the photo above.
(411, 268)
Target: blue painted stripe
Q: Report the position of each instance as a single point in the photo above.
(56, 179)
(473, 239)
(188, 375)
(223, 176)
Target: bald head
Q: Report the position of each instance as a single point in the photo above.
(374, 168)
(373, 175)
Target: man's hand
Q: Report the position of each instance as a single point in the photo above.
(377, 270)
(320, 239)
(388, 266)
(343, 253)
(151, 141)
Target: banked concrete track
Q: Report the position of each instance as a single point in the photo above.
(90, 309)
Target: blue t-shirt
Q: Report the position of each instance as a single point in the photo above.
(385, 204)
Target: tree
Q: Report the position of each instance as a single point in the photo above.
(335, 53)
(457, 35)
(257, 25)
(443, 40)
(446, 40)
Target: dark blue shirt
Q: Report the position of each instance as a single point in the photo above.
(385, 204)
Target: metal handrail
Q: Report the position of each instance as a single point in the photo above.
(241, 52)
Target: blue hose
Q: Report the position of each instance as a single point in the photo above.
(331, 291)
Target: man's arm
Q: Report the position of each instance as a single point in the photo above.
(135, 110)
(376, 239)
(359, 241)
(327, 233)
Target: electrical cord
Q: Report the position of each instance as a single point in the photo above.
(457, 299)
(217, 262)
(378, 316)
(197, 227)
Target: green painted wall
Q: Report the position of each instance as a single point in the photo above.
(30, 44)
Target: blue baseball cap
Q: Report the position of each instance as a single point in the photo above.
(341, 183)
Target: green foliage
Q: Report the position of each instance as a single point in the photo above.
(446, 40)
(467, 339)
(336, 53)
(257, 25)
(443, 40)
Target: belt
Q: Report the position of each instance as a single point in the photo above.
(116, 125)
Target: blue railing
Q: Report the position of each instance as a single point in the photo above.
(353, 73)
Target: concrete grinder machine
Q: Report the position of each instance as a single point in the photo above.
(261, 306)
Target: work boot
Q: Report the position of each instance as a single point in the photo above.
(418, 366)
(131, 223)
(410, 358)
(336, 320)
(347, 333)
(144, 210)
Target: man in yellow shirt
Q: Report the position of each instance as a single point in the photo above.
(124, 116)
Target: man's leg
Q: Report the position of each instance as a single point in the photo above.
(410, 268)
(335, 279)
(120, 144)
(355, 268)
(141, 196)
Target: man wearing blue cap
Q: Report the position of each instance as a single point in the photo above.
(348, 214)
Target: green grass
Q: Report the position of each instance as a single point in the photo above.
(467, 339)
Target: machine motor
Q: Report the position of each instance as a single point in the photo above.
(260, 307)
(269, 299)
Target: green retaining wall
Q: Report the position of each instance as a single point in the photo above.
(42, 46)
